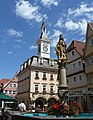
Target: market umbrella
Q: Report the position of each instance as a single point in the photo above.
(5, 97)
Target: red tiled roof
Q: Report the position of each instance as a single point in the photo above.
(4, 81)
(78, 45)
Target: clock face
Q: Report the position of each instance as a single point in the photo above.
(45, 48)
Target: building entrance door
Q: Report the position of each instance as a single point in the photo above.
(40, 101)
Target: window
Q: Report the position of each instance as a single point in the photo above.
(91, 41)
(6, 91)
(36, 75)
(39, 48)
(51, 88)
(74, 80)
(79, 63)
(10, 85)
(87, 61)
(72, 53)
(36, 88)
(44, 76)
(44, 88)
(73, 66)
(80, 78)
(51, 77)
(10, 91)
(14, 92)
(66, 69)
(14, 85)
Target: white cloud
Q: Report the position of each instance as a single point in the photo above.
(10, 52)
(81, 10)
(55, 37)
(48, 3)
(29, 12)
(76, 18)
(32, 47)
(14, 33)
(79, 26)
(71, 25)
(59, 23)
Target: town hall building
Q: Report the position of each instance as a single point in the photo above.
(38, 75)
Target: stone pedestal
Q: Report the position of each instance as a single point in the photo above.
(62, 88)
(63, 81)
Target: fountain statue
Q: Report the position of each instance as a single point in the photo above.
(62, 60)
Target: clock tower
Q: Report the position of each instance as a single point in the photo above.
(43, 43)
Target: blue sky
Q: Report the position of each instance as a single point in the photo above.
(20, 27)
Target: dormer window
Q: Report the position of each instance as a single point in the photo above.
(52, 62)
(21, 67)
(29, 61)
(41, 61)
(25, 64)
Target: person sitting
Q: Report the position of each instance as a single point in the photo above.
(38, 109)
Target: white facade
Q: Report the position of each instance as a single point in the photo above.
(38, 76)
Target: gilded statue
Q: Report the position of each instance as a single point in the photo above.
(61, 49)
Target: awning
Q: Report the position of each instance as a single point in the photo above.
(5, 97)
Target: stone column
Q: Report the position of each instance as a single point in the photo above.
(62, 88)
(62, 81)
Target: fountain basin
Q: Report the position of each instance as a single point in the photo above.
(45, 116)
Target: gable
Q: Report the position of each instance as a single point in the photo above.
(74, 56)
(89, 37)
(89, 31)
(71, 46)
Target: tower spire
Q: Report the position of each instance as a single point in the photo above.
(43, 31)
(43, 27)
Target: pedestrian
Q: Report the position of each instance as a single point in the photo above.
(22, 107)
(38, 109)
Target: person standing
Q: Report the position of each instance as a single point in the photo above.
(22, 107)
